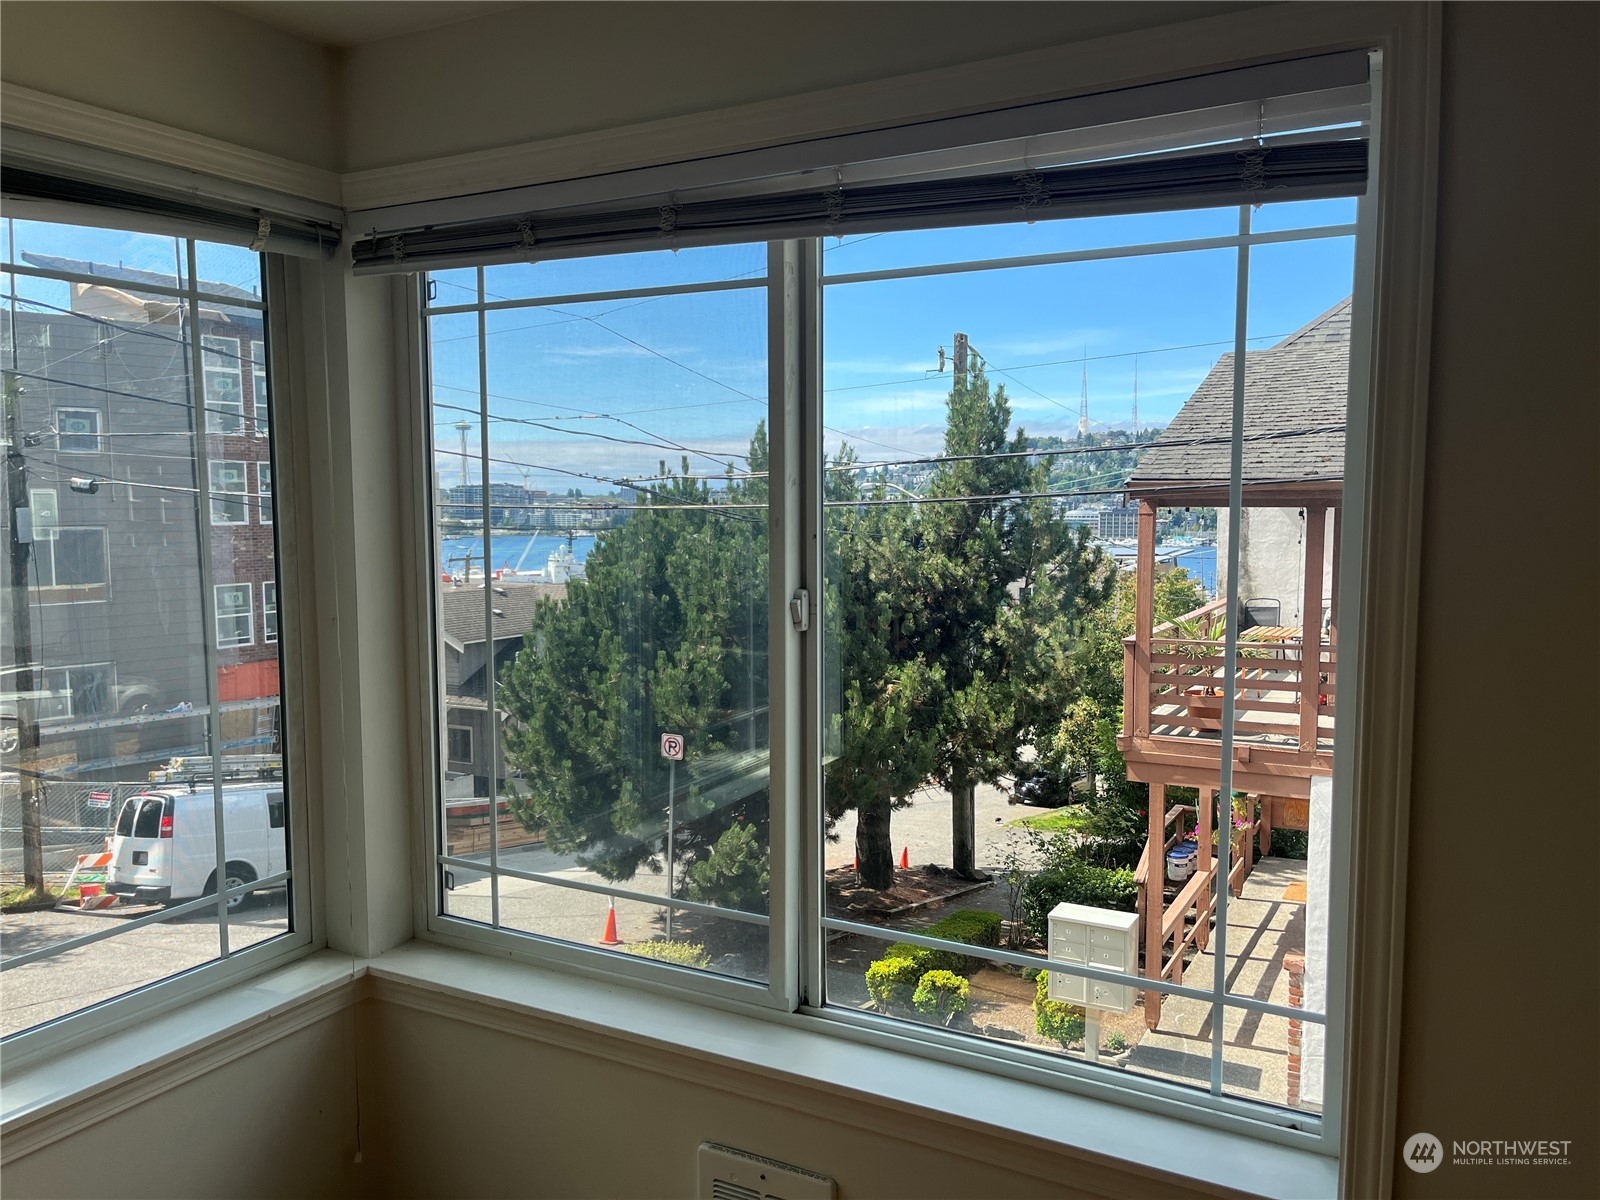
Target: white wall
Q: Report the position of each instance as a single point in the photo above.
(191, 66)
(1272, 558)
(274, 1123)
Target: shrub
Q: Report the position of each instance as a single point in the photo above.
(684, 954)
(1053, 1019)
(941, 994)
(735, 874)
(1070, 881)
(1291, 843)
(1116, 1043)
(891, 982)
(969, 926)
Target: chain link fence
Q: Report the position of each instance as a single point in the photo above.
(75, 818)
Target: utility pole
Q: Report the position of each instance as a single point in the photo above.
(961, 358)
(20, 530)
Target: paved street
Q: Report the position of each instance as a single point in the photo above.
(61, 984)
(78, 978)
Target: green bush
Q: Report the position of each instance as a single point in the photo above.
(1059, 1022)
(971, 927)
(892, 981)
(941, 994)
(1291, 843)
(735, 873)
(684, 954)
(1070, 881)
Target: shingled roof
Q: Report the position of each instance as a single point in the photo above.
(461, 609)
(1295, 396)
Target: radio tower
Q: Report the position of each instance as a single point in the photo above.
(1083, 404)
(461, 428)
(1136, 396)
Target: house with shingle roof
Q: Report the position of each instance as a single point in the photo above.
(462, 626)
(1176, 676)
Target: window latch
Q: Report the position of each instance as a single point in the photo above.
(800, 610)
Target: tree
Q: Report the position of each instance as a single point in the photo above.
(879, 742)
(1009, 582)
(666, 634)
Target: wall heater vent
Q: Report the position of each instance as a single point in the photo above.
(729, 1174)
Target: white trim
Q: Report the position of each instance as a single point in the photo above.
(269, 636)
(249, 614)
(79, 1088)
(99, 434)
(101, 128)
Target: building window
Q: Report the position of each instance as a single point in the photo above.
(461, 745)
(269, 612)
(70, 565)
(264, 492)
(258, 384)
(125, 686)
(235, 619)
(1009, 574)
(224, 390)
(229, 494)
(78, 430)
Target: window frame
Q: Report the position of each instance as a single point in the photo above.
(269, 613)
(53, 592)
(264, 492)
(99, 434)
(229, 497)
(220, 415)
(1385, 460)
(249, 615)
(47, 1042)
(260, 400)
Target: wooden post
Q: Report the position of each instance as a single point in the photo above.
(1155, 876)
(1144, 607)
(1311, 627)
(1265, 837)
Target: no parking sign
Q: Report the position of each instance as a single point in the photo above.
(672, 746)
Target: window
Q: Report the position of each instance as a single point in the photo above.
(127, 699)
(269, 612)
(224, 392)
(78, 430)
(969, 640)
(264, 492)
(229, 494)
(235, 622)
(461, 744)
(258, 387)
(70, 565)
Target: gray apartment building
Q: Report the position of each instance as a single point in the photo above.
(107, 429)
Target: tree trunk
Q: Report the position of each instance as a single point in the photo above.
(874, 851)
(964, 829)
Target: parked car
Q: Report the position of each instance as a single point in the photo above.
(164, 846)
(64, 694)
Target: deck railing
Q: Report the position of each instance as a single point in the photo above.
(1284, 691)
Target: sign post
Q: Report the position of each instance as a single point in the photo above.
(672, 751)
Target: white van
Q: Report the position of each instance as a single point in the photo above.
(164, 844)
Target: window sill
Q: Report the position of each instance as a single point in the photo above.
(791, 1061)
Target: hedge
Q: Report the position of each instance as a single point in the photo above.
(941, 994)
(971, 927)
(891, 982)
(684, 954)
(1072, 882)
(1054, 1019)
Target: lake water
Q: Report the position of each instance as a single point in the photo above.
(510, 551)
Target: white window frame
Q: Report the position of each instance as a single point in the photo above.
(269, 612)
(1385, 459)
(260, 398)
(98, 434)
(220, 361)
(264, 492)
(232, 641)
(224, 498)
(43, 1045)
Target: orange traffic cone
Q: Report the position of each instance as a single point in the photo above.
(905, 858)
(855, 864)
(609, 937)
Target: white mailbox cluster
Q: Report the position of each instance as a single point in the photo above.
(1096, 937)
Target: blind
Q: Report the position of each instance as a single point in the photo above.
(1275, 132)
(45, 179)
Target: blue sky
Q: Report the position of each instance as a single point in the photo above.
(615, 386)
(690, 369)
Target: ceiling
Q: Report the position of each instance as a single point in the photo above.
(344, 23)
